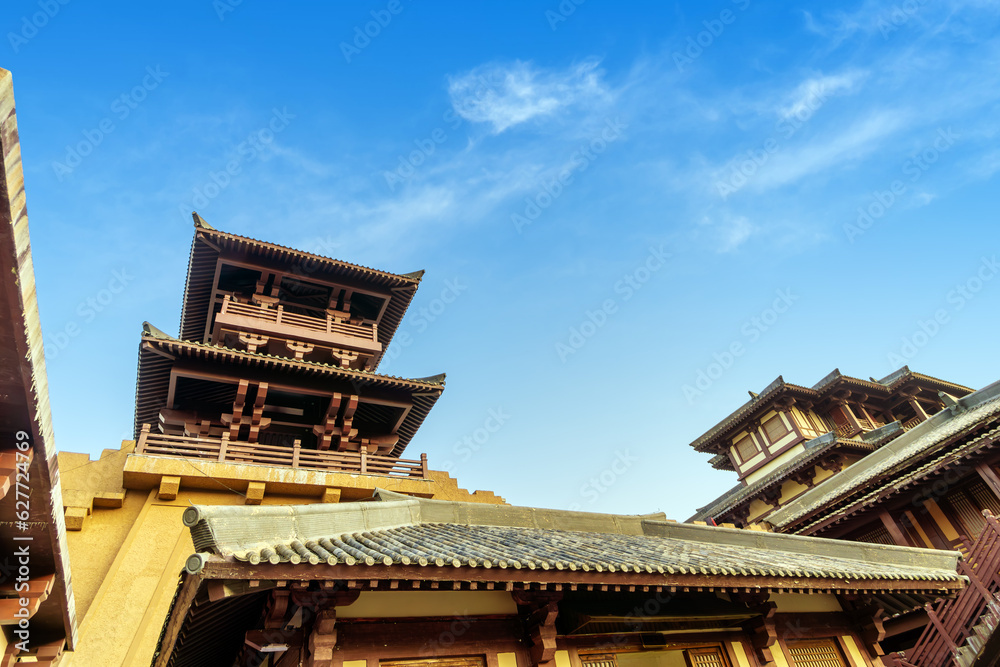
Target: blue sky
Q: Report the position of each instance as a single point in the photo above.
(629, 214)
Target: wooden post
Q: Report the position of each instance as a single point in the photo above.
(939, 627)
(966, 569)
(375, 331)
(917, 408)
(364, 459)
(894, 530)
(277, 318)
(849, 412)
(141, 445)
(423, 466)
(296, 448)
(990, 478)
(223, 446)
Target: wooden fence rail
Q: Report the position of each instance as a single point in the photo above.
(953, 621)
(279, 315)
(225, 450)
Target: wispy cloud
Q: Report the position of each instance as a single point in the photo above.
(734, 232)
(831, 149)
(505, 95)
(814, 91)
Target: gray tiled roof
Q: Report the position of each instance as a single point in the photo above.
(442, 534)
(813, 449)
(915, 445)
(762, 400)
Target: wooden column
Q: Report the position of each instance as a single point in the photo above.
(990, 477)
(538, 614)
(323, 639)
(898, 536)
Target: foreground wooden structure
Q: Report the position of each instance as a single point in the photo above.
(973, 614)
(264, 514)
(36, 594)
(932, 484)
(423, 582)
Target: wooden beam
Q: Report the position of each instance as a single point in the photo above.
(190, 583)
(600, 580)
(894, 530)
(989, 476)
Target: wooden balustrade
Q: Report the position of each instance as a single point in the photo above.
(225, 450)
(952, 621)
(845, 430)
(278, 315)
(910, 423)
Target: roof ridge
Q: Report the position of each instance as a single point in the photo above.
(202, 226)
(279, 533)
(887, 458)
(150, 331)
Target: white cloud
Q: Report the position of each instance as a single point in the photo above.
(506, 95)
(729, 232)
(827, 151)
(813, 93)
(735, 233)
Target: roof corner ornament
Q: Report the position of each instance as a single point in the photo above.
(951, 403)
(195, 563)
(199, 222)
(151, 331)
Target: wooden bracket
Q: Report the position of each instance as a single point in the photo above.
(870, 618)
(323, 639)
(539, 612)
(325, 431)
(299, 349)
(253, 341)
(806, 477)
(762, 629)
(347, 420)
(772, 496)
(832, 463)
(345, 357)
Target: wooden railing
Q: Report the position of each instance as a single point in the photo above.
(846, 430)
(910, 423)
(225, 450)
(953, 621)
(278, 315)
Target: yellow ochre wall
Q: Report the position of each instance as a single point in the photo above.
(126, 560)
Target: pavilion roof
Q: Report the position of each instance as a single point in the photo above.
(814, 450)
(891, 463)
(158, 352)
(210, 245)
(434, 538)
(760, 403)
(25, 408)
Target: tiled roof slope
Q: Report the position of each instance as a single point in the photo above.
(880, 387)
(898, 484)
(24, 390)
(436, 534)
(813, 450)
(908, 449)
(158, 350)
(210, 244)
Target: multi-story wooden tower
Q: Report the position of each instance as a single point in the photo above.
(275, 367)
(268, 396)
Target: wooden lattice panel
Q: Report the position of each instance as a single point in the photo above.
(707, 657)
(746, 448)
(598, 661)
(775, 428)
(817, 653)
